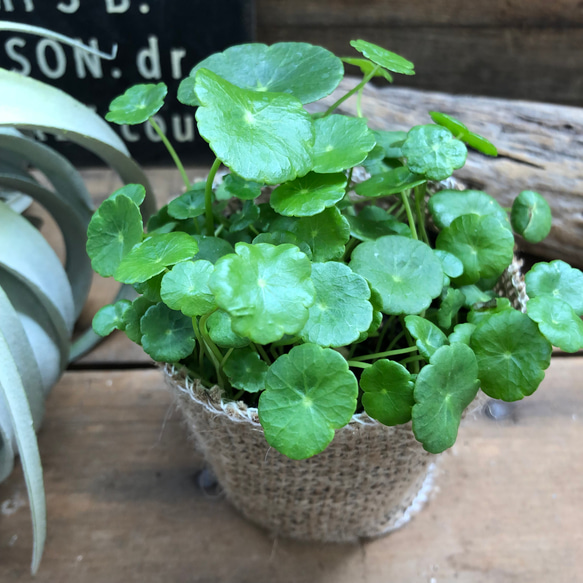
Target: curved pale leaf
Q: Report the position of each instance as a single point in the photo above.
(367, 67)
(462, 333)
(111, 317)
(246, 370)
(386, 59)
(451, 265)
(189, 205)
(531, 216)
(390, 182)
(137, 104)
(390, 142)
(428, 337)
(221, 332)
(233, 185)
(461, 132)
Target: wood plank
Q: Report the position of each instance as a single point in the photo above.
(124, 505)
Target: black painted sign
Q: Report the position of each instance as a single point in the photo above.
(158, 40)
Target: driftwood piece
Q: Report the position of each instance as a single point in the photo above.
(540, 148)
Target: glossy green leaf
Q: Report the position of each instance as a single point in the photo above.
(557, 321)
(309, 195)
(386, 59)
(461, 132)
(246, 370)
(531, 216)
(110, 318)
(451, 265)
(150, 288)
(512, 355)
(340, 142)
(391, 182)
(341, 311)
(367, 67)
(462, 333)
(154, 255)
(114, 229)
(245, 218)
(137, 104)
(221, 332)
(307, 72)
(443, 389)
(373, 222)
(484, 310)
(211, 248)
(451, 304)
(309, 393)
(405, 272)
(266, 290)
(132, 317)
(390, 142)
(432, 151)
(135, 192)
(281, 238)
(482, 244)
(262, 137)
(233, 185)
(375, 161)
(326, 233)
(474, 294)
(185, 288)
(428, 337)
(188, 205)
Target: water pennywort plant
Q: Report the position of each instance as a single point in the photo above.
(309, 296)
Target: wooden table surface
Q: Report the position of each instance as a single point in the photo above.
(125, 505)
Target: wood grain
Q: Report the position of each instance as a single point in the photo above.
(124, 505)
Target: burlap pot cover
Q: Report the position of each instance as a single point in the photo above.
(365, 484)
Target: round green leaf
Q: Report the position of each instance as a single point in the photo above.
(326, 233)
(185, 288)
(341, 310)
(405, 272)
(384, 58)
(340, 142)
(482, 244)
(309, 393)
(263, 137)
(135, 192)
(281, 238)
(461, 132)
(221, 332)
(367, 67)
(451, 303)
(167, 335)
(246, 370)
(373, 222)
(557, 321)
(462, 333)
(557, 279)
(443, 389)
(153, 255)
(428, 337)
(307, 72)
(531, 216)
(114, 229)
(233, 185)
(447, 205)
(309, 195)
(188, 205)
(512, 355)
(137, 104)
(132, 317)
(388, 392)
(266, 290)
(451, 265)
(390, 142)
(110, 318)
(474, 295)
(432, 150)
(245, 218)
(482, 311)
(150, 288)
(211, 248)
(391, 182)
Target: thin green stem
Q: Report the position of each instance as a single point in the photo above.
(358, 102)
(208, 197)
(238, 395)
(357, 364)
(226, 357)
(348, 181)
(396, 339)
(410, 342)
(420, 209)
(414, 360)
(201, 348)
(410, 218)
(171, 151)
(350, 93)
(386, 326)
(352, 243)
(262, 352)
(386, 353)
(286, 341)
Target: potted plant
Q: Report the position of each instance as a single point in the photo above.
(324, 337)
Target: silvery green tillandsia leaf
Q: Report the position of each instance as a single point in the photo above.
(443, 389)
(531, 216)
(512, 355)
(557, 321)
(373, 222)
(246, 370)
(111, 317)
(341, 311)
(367, 67)
(308, 195)
(386, 59)
(462, 333)
(137, 104)
(405, 272)
(189, 205)
(221, 332)
(340, 142)
(388, 392)
(305, 71)
(233, 185)
(309, 393)
(432, 151)
(185, 288)
(428, 337)
(265, 289)
(391, 182)
(263, 137)
(132, 317)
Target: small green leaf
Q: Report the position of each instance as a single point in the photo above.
(433, 152)
(557, 279)
(482, 244)
(153, 255)
(167, 335)
(481, 311)
(150, 288)
(428, 337)
(391, 182)
(265, 289)
(221, 333)
(262, 137)
(512, 355)
(443, 389)
(246, 370)
(211, 248)
(388, 392)
(309, 393)
(281, 238)
(373, 222)
(450, 305)
(557, 321)
(531, 216)
(405, 272)
(245, 218)
(137, 104)
(382, 57)
(188, 205)
(309, 195)
(340, 142)
(474, 295)
(367, 67)
(326, 233)
(451, 265)
(185, 288)
(113, 230)
(110, 318)
(341, 311)
(461, 132)
(135, 192)
(233, 185)
(132, 317)
(462, 333)
(161, 221)
(390, 142)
